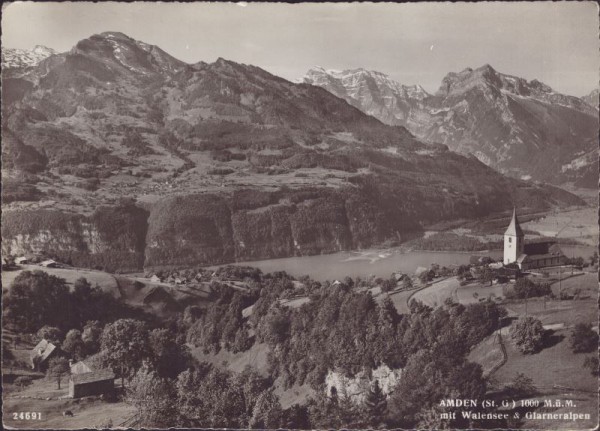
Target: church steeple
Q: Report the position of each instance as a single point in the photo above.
(513, 240)
(514, 228)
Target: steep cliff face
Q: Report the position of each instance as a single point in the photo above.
(207, 229)
(113, 238)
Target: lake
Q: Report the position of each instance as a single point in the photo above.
(380, 263)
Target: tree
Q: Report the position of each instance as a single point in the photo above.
(168, 357)
(276, 326)
(424, 277)
(92, 331)
(594, 258)
(154, 398)
(528, 334)
(124, 345)
(34, 300)
(375, 405)
(74, 345)
(267, 412)
(348, 282)
(407, 283)
(58, 368)
(591, 362)
(388, 285)
(583, 338)
(212, 399)
(486, 275)
(50, 333)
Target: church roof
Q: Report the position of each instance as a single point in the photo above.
(514, 228)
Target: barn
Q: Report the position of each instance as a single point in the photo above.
(92, 383)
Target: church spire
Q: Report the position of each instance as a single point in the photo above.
(514, 228)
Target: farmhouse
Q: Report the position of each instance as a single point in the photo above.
(21, 260)
(529, 256)
(41, 354)
(79, 367)
(91, 383)
(49, 264)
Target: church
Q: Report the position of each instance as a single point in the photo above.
(529, 256)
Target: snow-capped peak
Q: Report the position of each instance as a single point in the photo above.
(353, 79)
(15, 57)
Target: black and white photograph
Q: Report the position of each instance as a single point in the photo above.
(308, 216)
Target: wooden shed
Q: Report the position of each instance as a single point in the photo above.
(89, 384)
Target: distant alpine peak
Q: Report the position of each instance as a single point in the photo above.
(487, 78)
(130, 55)
(358, 77)
(15, 57)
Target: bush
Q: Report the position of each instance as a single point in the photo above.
(528, 334)
(525, 288)
(521, 386)
(583, 338)
(23, 381)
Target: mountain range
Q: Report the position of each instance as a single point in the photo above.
(117, 155)
(521, 128)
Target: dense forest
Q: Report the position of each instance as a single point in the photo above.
(341, 328)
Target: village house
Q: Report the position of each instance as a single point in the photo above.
(41, 354)
(79, 367)
(22, 260)
(49, 264)
(529, 256)
(91, 383)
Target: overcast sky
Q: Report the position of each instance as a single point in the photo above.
(418, 43)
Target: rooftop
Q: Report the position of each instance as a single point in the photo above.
(94, 376)
(514, 228)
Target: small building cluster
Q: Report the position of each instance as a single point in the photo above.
(84, 380)
(529, 256)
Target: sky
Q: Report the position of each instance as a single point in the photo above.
(414, 43)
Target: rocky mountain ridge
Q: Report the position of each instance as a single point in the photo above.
(592, 99)
(505, 121)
